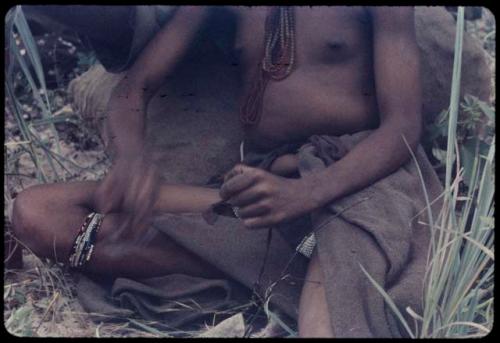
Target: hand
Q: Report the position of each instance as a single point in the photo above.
(129, 187)
(265, 199)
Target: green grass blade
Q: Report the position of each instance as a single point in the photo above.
(389, 302)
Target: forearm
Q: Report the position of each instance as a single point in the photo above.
(185, 199)
(128, 102)
(397, 82)
(125, 120)
(377, 156)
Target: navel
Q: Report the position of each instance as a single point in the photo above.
(336, 45)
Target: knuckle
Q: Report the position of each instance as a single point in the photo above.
(257, 173)
(223, 191)
(263, 189)
(278, 217)
(250, 223)
(266, 205)
(268, 187)
(243, 214)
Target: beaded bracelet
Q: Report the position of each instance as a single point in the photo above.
(83, 246)
(90, 236)
(78, 240)
(82, 255)
(84, 249)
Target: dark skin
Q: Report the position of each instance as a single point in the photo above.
(357, 69)
(129, 187)
(354, 78)
(347, 103)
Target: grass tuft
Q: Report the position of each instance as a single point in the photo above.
(458, 293)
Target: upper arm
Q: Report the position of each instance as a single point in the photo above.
(396, 65)
(162, 53)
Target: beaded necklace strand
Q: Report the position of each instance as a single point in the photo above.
(277, 63)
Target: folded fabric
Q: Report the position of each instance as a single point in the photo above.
(376, 228)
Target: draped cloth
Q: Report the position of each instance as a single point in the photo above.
(377, 228)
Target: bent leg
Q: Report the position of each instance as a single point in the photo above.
(46, 218)
(314, 318)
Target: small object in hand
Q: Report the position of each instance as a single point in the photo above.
(236, 210)
(307, 245)
(220, 208)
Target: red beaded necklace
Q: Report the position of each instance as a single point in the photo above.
(277, 63)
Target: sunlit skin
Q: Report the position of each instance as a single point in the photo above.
(357, 69)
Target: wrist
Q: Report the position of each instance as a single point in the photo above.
(318, 187)
(311, 198)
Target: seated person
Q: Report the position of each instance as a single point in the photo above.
(311, 76)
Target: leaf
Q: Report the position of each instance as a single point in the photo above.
(488, 221)
(413, 314)
(19, 322)
(389, 302)
(20, 297)
(468, 157)
(487, 110)
(454, 100)
(431, 134)
(439, 154)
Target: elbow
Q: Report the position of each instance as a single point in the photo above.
(412, 133)
(417, 129)
(405, 131)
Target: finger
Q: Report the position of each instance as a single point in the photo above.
(148, 236)
(139, 197)
(139, 228)
(264, 221)
(112, 193)
(122, 229)
(239, 182)
(138, 217)
(254, 210)
(132, 189)
(145, 200)
(107, 196)
(235, 185)
(257, 222)
(148, 195)
(237, 169)
(248, 196)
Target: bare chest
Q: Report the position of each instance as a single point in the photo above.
(330, 89)
(324, 34)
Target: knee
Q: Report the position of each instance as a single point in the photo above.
(26, 214)
(21, 214)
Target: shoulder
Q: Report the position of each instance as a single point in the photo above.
(232, 9)
(392, 17)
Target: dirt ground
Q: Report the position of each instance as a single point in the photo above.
(39, 300)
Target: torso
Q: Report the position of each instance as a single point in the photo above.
(331, 89)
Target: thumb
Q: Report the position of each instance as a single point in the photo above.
(237, 169)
